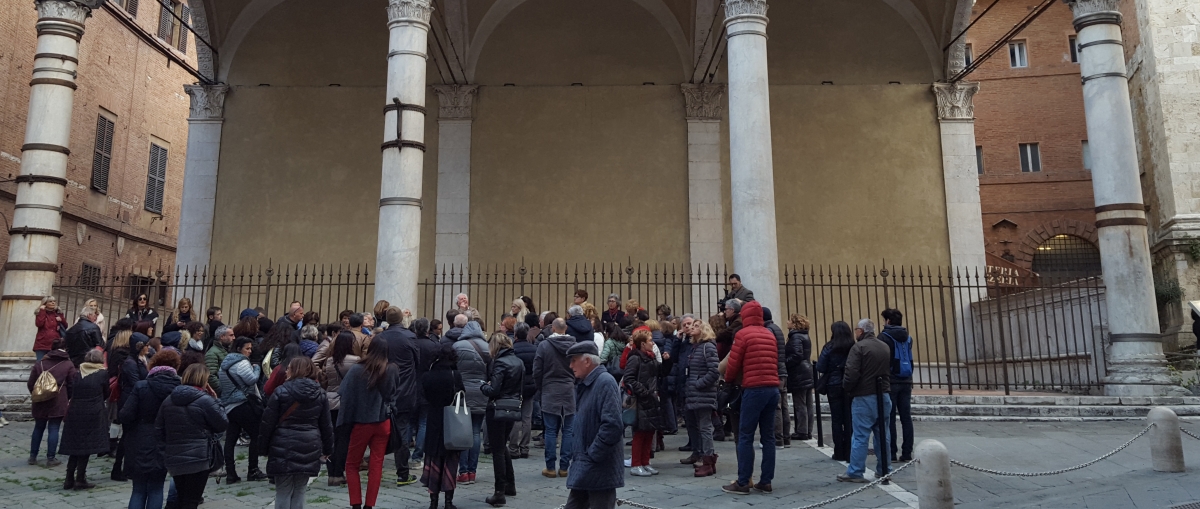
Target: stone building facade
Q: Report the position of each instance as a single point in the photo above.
(127, 141)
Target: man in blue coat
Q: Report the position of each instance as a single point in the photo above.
(598, 466)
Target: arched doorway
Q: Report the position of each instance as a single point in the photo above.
(1064, 257)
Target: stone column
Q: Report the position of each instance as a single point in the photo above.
(964, 218)
(752, 181)
(1136, 366)
(398, 259)
(455, 111)
(706, 222)
(33, 251)
(194, 248)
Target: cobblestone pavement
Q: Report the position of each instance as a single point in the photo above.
(804, 475)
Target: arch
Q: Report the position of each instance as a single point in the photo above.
(920, 27)
(204, 57)
(956, 57)
(502, 8)
(237, 33)
(1067, 257)
(1046, 231)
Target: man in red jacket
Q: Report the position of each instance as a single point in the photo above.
(755, 357)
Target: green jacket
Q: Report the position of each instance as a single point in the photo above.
(213, 359)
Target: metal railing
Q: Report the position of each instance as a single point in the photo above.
(971, 330)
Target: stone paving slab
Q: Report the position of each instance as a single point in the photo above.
(804, 475)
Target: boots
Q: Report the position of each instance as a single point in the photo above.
(658, 444)
(690, 460)
(80, 479)
(496, 500)
(69, 484)
(706, 467)
(450, 500)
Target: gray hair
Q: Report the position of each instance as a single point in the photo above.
(87, 312)
(615, 296)
(559, 325)
(94, 356)
(460, 320)
(222, 330)
(594, 359)
(867, 325)
(736, 304)
(575, 311)
(309, 332)
(686, 316)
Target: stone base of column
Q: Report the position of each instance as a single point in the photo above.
(1139, 369)
(14, 393)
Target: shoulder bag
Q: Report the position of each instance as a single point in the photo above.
(457, 434)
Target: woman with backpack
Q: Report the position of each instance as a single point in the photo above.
(800, 375)
(366, 393)
(832, 366)
(339, 363)
(297, 432)
(187, 425)
(85, 427)
(51, 396)
(614, 345)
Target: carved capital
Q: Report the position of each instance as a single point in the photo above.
(456, 101)
(704, 101)
(735, 8)
(208, 101)
(409, 10)
(69, 10)
(1094, 12)
(955, 101)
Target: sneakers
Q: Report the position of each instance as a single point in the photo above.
(736, 488)
(852, 478)
(546, 472)
(652, 470)
(640, 472)
(416, 464)
(406, 481)
(466, 478)
(255, 475)
(3, 422)
(628, 462)
(243, 442)
(763, 487)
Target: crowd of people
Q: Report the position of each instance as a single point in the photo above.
(343, 395)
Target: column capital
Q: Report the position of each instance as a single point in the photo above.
(735, 8)
(208, 101)
(409, 10)
(1094, 12)
(703, 101)
(456, 102)
(71, 10)
(955, 101)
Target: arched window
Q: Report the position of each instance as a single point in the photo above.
(1066, 257)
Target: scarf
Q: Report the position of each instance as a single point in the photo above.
(88, 368)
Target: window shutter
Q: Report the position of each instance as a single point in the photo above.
(102, 156)
(156, 178)
(131, 7)
(164, 22)
(183, 30)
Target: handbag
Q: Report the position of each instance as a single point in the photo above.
(395, 439)
(216, 454)
(729, 398)
(507, 410)
(820, 385)
(457, 434)
(629, 410)
(46, 387)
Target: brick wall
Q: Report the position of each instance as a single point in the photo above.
(1042, 103)
(131, 79)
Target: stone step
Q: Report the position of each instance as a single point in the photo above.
(1053, 400)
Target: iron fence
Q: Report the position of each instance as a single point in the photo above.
(978, 331)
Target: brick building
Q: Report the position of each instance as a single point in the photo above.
(128, 133)
(1035, 186)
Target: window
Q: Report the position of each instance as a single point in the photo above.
(1087, 156)
(170, 28)
(1066, 257)
(130, 6)
(1074, 44)
(979, 158)
(102, 154)
(89, 278)
(155, 289)
(156, 178)
(1031, 158)
(1017, 56)
(969, 55)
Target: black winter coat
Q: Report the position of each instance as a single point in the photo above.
(641, 380)
(295, 444)
(85, 429)
(799, 364)
(506, 380)
(404, 355)
(133, 370)
(193, 417)
(81, 337)
(526, 352)
(144, 455)
(427, 349)
(702, 377)
(580, 328)
(677, 378)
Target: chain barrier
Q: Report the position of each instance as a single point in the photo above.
(861, 489)
(1189, 433)
(1052, 472)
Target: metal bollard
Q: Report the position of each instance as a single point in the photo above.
(934, 489)
(1166, 443)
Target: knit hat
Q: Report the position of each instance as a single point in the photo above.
(248, 312)
(172, 339)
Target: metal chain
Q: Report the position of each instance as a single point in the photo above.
(860, 489)
(1052, 472)
(1189, 433)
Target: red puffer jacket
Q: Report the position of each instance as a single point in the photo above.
(755, 351)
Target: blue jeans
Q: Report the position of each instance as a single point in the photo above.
(469, 461)
(146, 494)
(758, 410)
(39, 354)
(38, 429)
(864, 412)
(172, 493)
(553, 423)
(418, 453)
